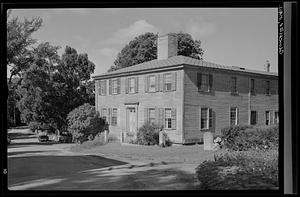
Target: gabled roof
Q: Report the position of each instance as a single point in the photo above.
(177, 61)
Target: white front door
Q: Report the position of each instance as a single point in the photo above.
(131, 119)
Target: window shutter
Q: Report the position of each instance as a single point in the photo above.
(174, 84)
(210, 81)
(210, 118)
(161, 82)
(109, 115)
(173, 115)
(126, 85)
(237, 115)
(157, 115)
(98, 87)
(109, 86)
(162, 117)
(156, 83)
(104, 81)
(199, 80)
(119, 85)
(136, 84)
(146, 113)
(146, 83)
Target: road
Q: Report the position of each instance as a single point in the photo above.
(48, 166)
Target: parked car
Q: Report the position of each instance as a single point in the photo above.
(65, 138)
(43, 138)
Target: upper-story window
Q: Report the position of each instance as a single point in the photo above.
(204, 82)
(252, 86)
(131, 85)
(267, 87)
(152, 83)
(233, 85)
(102, 87)
(115, 86)
(168, 82)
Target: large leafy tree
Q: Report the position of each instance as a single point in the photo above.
(144, 48)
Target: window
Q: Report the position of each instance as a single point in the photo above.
(233, 116)
(253, 117)
(104, 114)
(131, 85)
(268, 117)
(233, 85)
(114, 86)
(267, 87)
(276, 117)
(152, 83)
(206, 118)
(252, 88)
(114, 116)
(151, 115)
(168, 118)
(168, 82)
(204, 82)
(102, 88)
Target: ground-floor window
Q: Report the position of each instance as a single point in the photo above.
(233, 116)
(253, 117)
(114, 117)
(205, 118)
(268, 117)
(276, 117)
(104, 114)
(168, 118)
(151, 115)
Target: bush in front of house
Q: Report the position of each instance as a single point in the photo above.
(240, 170)
(97, 141)
(85, 123)
(148, 134)
(241, 138)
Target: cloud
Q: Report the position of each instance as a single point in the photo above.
(124, 35)
(109, 52)
(199, 28)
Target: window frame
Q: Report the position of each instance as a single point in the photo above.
(208, 118)
(207, 86)
(114, 88)
(268, 117)
(252, 86)
(170, 83)
(102, 90)
(149, 83)
(151, 119)
(114, 119)
(255, 112)
(233, 85)
(168, 121)
(268, 87)
(276, 118)
(106, 114)
(129, 85)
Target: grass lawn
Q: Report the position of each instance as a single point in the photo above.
(188, 154)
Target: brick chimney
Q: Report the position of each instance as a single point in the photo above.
(167, 46)
(267, 66)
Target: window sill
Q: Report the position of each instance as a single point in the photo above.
(169, 129)
(206, 130)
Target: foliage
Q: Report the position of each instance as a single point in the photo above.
(240, 170)
(144, 48)
(19, 40)
(85, 121)
(97, 141)
(148, 134)
(229, 134)
(242, 138)
(168, 142)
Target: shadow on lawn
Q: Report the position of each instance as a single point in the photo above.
(92, 172)
(21, 135)
(23, 152)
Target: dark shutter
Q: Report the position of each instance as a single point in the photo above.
(109, 115)
(109, 86)
(126, 85)
(174, 81)
(199, 80)
(210, 117)
(104, 86)
(163, 82)
(136, 84)
(157, 116)
(173, 116)
(161, 117)
(119, 85)
(146, 113)
(146, 83)
(98, 87)
(210, 82)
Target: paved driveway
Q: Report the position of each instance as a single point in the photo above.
(47, 166)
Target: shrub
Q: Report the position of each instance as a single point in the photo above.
(168, 142)
(240, 170)
(85, 123)
(33, 126)
(148, 134)
(243, 138)
(97, 141)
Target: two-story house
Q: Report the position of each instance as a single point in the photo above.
(186, 95)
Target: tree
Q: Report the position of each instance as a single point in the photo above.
(144, 48)
(19, 40)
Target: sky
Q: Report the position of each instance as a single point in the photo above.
(244, 37)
